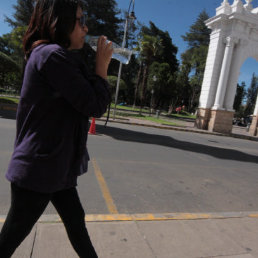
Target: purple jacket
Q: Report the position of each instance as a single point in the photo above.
(57, 97)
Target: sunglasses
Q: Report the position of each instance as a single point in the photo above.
(82, 20)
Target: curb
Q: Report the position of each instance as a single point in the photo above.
(9, 107)
(245, 137)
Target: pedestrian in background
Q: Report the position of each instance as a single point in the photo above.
(57, 97)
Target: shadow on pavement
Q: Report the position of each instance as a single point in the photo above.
(8, 114)
(217, 152)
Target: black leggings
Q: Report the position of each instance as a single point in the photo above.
(26, 208)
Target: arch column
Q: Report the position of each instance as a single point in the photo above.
(220, 118)
(211, 77)
(224, 74)
(237, 61)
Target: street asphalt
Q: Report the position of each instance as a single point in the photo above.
(155, 192)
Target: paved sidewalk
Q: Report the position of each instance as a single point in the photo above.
(180, 238)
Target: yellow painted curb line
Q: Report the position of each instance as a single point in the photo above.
(150, 217)
(255, 215)
(167, 216)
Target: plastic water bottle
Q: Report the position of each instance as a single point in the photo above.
(121, 54)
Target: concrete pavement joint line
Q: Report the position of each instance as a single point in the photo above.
(104, 188)
(33, 243)
(143, 235)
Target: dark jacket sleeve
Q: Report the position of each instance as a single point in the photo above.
(89, 96)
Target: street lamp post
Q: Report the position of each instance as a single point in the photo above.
(132, 18)
(154, 78)
(151, 104)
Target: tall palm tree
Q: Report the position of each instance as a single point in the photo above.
(149, 47)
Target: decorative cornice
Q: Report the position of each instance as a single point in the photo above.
(231, 41)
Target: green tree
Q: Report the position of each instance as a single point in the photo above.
(183, 89)
(5, 46)
(240, 94)
(194, 58)
(21, 17)
(161, 81)
(251, 96)
(12, 47)
(11, 43)
(112, 80)
(169, 50)
(163, 51)
(199, 33)
(7, 64)
(148, 47)
(103, 19)
(16, 42)
(129, 71)
(129, 75)
(8, 69)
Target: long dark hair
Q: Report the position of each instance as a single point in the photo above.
(52, 21)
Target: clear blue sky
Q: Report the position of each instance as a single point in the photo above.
(174, 16)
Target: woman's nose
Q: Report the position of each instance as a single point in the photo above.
(85, 28)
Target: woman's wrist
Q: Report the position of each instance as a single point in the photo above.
(102, 73)
(104, 76)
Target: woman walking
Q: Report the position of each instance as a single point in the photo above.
(57, 97)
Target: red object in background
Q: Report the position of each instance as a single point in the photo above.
(92, 127)
(178, 109)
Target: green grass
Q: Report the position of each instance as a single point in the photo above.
(143, 117)
(128, 108)
(9, 100)
(183, 115)
(159, 121)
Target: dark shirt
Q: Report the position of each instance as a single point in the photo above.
(58, 95)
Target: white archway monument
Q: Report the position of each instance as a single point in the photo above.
(233, 39)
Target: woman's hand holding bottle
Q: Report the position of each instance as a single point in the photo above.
(103, 56)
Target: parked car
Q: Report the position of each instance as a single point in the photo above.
(243, 121)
